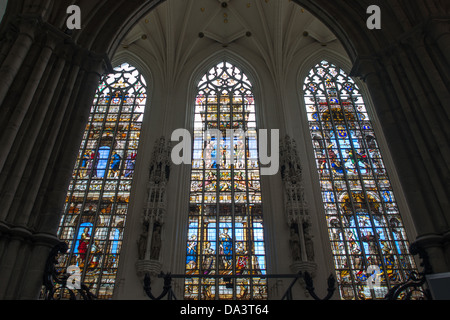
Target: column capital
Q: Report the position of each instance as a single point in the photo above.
(437, 27)
(433, 28)
(27, 234)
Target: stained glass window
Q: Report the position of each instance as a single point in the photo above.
(97, 200)
(368, 238)
(225, 252)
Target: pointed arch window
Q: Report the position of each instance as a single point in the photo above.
(99, 192)
(367, 235)
(225, 252)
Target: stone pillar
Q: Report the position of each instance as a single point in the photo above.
(296, 208)
(47, 84)
(150, 242)
(409, 87)
(17, 53)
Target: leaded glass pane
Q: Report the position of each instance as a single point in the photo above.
(97, 200)
(225, 230)
(368, 239)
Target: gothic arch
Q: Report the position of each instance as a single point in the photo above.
(42, 64)
(252, 72)
(319, 123)
(105, 24)
(346, 65)
(205, 66)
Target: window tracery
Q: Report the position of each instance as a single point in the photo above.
(225, 251)
(366, 231)
(97, 200)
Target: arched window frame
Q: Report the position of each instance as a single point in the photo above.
(113, 238)
(193, 92)
(343, 64)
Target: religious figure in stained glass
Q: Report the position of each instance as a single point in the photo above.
(83, 245)
(98, 196)
(225, 255)
(365, 227)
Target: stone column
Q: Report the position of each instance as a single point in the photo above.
(17, 53)
(46, 90)
(409, 87)
(297, 212)
(150, 242)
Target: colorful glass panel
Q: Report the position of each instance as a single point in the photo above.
(225, 252)
(99, 192)
(368, 239)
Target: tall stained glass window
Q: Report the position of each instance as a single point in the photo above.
(368, 239)
(225, 252)
(99, 192)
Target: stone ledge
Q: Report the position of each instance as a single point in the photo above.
(151, 267)
(28, 235)
(304, 266)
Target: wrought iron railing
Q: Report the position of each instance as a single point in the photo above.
(167, 289)
(416, 283)
(56, 285)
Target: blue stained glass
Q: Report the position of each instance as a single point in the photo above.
(99, 192)
(353, 178)
(83, 238)
(115, 241)
(226, 189)
(102, 164)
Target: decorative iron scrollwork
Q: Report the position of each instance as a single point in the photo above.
(405, 291)
(310, 287)
(55, 284)
(416, 282)
(167, 289)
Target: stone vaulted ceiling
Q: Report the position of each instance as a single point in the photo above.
(272, 30)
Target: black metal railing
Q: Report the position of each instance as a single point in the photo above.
(56, 285)
(416, 282)
(168, 278)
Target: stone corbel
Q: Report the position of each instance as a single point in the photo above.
(148, 268)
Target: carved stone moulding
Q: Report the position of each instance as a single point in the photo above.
(151, 267)
(304, 266)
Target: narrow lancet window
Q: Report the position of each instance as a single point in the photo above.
(366, 231)
(97, 200)
(225, 251)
